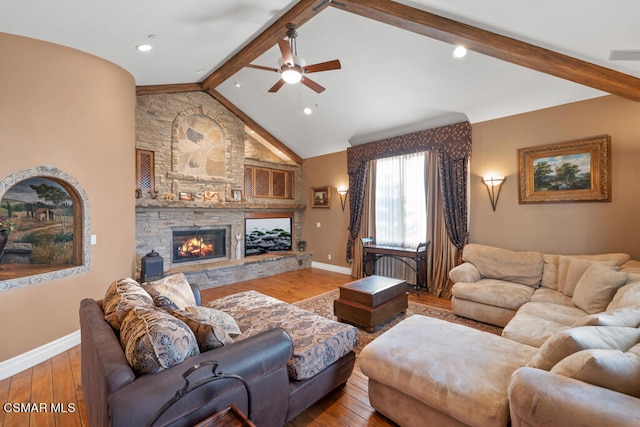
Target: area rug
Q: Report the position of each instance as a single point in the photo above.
(323, 305)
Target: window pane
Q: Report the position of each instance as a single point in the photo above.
(401, 218)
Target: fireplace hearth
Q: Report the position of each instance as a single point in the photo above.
(199, 245)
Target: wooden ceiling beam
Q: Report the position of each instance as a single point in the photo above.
(169, 88)
(297, 15)
(495, 45)
(252, 124)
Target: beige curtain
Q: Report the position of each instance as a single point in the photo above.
(367, 229)
(442, 252)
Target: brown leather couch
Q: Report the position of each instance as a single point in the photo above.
(114, 396)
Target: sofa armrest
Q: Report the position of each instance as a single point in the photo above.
(196, 293)
(261, 360)
(465, 272)
(538, 397)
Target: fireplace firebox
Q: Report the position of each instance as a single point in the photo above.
(197, 245)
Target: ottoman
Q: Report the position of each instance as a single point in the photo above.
(370, 301)
(427, 371)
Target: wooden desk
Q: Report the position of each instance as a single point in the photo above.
(371, 253)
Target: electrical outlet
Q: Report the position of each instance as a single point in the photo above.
(329, 257)
(317, 224)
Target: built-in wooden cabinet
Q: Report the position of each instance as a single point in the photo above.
(266, 182)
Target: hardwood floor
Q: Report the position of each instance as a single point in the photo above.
(57, 380)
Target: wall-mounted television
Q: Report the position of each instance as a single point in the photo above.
(268, 234)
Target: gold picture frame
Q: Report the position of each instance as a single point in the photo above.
(572, 171)
(321, 197)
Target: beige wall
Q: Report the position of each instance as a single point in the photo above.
(552, 228)
(331, 237)
(76, 112)
(562, 227)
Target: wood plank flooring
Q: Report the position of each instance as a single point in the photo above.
(57, 380)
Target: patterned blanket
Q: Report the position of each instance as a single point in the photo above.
(317, 341)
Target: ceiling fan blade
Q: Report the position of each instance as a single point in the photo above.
(323, 66)
(285, 50)
(277, 86)
(311, 84)
(260, 67)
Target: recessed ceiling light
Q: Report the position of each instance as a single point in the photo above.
(459, 52)
(307, 110)
(237, 84)
(144, 47)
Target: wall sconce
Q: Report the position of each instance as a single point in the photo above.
(491, 184)
(342, 191)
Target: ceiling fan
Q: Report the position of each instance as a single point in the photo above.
(292, 68)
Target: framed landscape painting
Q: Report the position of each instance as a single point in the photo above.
(573, 171)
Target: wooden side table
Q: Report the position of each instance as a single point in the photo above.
(231, 416)
(370, 301)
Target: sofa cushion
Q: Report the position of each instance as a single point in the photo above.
(154, 340)
(612, 369)
(627, 296)
(569, 341)
(535, 322)
(494, 292)
(317, 341)
(175, 287)
(122, 296)
(524, 267)
(631, 266)
(549, 295)
(220, 318)
(596, 288)
(550, 271)
(626, 316)
(208, 334)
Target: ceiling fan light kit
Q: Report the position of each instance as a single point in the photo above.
(292, 68)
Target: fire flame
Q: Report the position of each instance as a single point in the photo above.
(195, 247)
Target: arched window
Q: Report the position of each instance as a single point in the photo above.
(46, 227)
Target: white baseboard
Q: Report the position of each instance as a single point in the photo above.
(31, 358)
(331, 267)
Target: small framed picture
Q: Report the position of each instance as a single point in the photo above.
(183, 195)
(321, 197)
(236, 195)
(211, 196)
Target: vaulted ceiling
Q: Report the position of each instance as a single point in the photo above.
(398, 74)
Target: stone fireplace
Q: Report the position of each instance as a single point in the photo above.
(203, 161)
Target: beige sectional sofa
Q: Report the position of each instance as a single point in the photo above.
(569, 353)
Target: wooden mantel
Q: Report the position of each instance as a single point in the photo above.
(240, 206)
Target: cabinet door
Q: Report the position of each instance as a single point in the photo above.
(278, 184)
(262, 182)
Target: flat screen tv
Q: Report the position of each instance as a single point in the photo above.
(263, 235)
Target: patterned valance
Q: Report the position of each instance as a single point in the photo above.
(453, 140)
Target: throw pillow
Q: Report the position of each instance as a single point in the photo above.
(626, 316)
(154, 340)
(568, 341)
(576, 270)
(122, 296)
(175, 287)
(596, 288)
(208, 334)
(224, 320)
(610, 369)
(165, 303)
(626, 296)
